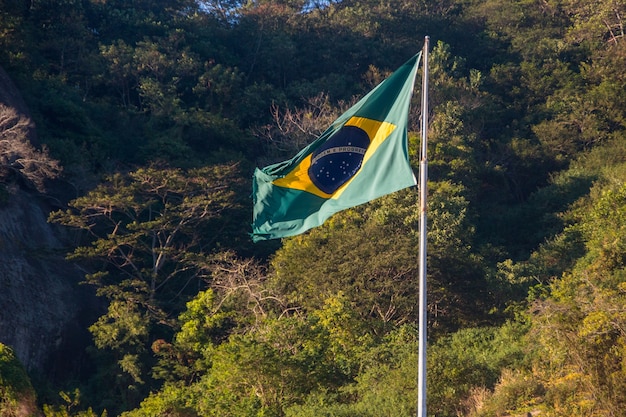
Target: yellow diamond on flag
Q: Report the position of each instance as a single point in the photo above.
(330, 169)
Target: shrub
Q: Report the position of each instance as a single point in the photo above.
(17, 397)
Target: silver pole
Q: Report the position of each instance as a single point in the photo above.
(421, 384)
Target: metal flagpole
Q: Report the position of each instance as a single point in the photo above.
(421, 384)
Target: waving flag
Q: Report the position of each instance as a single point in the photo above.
(363, 155)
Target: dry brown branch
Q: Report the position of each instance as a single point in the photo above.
(18, 155)
(293, 129)
(244, 279)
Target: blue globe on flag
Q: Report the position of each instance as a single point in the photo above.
(339, 159)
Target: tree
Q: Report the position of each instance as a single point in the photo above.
(12, 17)
(67, 47)
(576, 339)
(70, 408)
(237, 300)
(149, 230)
(17, 154)
(595, 22)
(293, 129)
(17, 395)
(369, 253)
(263, 369)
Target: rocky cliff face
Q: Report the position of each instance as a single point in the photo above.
(42, 308)
(38, 288)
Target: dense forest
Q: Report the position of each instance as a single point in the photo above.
(151, 116)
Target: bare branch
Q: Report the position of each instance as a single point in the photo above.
(293, 129)
(18, 155)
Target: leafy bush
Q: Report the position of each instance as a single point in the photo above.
(17, 397)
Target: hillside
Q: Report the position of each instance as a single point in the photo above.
(40, 298)
(127, 167)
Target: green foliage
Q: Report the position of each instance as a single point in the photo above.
(469, 361)
(355, 260)
(202, 325)
(146, 230)
(594, 23)
(68, 409)
(266, 369)
(576, 325)
(525, 207)
(17, 396)
(458, 365)
(171, 400)
(368, 254)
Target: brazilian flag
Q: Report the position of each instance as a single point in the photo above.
(363, 155)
